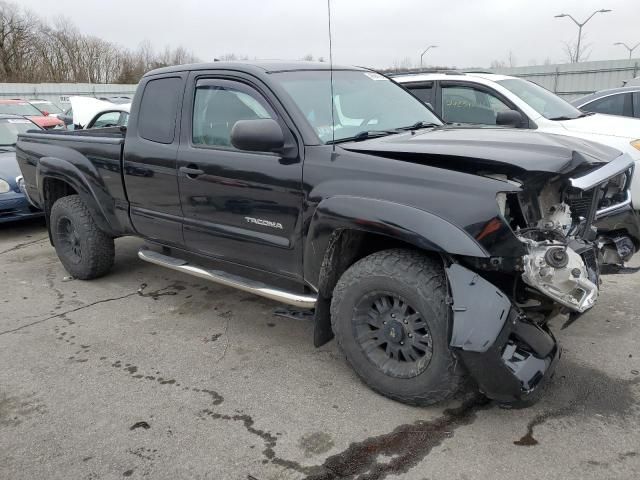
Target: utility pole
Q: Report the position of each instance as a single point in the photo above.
(425, 51)
(580, 25)
(631, 49)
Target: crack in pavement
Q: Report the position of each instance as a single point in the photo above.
(154, 294)
(22, 245)
(374, 458)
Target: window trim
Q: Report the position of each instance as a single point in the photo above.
(291, 133)
(527, 124)
(422, 84)
(209, 81)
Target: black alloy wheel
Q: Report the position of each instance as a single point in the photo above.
(392, 334)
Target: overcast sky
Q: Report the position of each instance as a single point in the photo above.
(376, 33)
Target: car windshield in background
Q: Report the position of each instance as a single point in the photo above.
(365, 102)
(20, 109)
(48, 107)
(10, 128)
(546, 103)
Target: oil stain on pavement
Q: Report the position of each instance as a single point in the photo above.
(376, 457)
(612, 398)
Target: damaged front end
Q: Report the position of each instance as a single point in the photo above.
(501, 304)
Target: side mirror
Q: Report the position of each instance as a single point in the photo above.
(263, 135)
(67, 120)
(511, 118)
(45, 113)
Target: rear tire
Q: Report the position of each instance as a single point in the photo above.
(390, 318)
(85, 251)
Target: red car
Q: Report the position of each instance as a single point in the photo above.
(25, 109)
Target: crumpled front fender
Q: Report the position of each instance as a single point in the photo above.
(508, 356)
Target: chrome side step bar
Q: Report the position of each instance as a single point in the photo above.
(223, 278)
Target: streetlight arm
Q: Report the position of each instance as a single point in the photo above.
(429, 48)
(590, 17)
(577, 22)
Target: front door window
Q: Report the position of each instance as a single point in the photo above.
(461, 104)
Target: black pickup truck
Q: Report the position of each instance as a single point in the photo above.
(431, 252)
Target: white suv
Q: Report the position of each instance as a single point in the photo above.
(490, 99)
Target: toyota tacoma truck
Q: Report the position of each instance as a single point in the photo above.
(432, 253)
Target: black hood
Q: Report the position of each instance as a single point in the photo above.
(460, 147)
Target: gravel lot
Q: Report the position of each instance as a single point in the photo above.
(148, 373)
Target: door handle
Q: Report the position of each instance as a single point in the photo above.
(191, 171)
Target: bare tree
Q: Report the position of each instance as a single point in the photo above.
(32, 50)
(16, 30)
(402, 65)
(571, 48)
(510, 62)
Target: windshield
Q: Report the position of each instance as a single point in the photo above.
(546, 103)
(364, 101)
(10, 128)
(48, 107)
(20, 109)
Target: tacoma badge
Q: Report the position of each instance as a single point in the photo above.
(264, 223)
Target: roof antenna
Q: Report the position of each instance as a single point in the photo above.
(333, 120)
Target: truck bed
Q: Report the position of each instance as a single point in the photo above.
(95, 154)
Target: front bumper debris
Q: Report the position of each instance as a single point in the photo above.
(508, 356)
(519, 362)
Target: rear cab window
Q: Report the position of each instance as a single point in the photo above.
(158, 108)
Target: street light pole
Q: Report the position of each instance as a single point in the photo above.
(580, 25)
(425, 51)
(631, 49)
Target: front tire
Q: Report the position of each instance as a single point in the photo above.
(86, 252)
(390, 318)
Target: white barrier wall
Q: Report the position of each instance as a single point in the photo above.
(60, 92)
(572, 80)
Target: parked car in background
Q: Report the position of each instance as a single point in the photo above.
(47, 108)
(14, 204)
(623, 101)
(25, 109)
(116, 116)
(89, 112)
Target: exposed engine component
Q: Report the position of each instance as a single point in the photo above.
(616, 250)
(557, 257)
(557, 217)
(560, 273)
